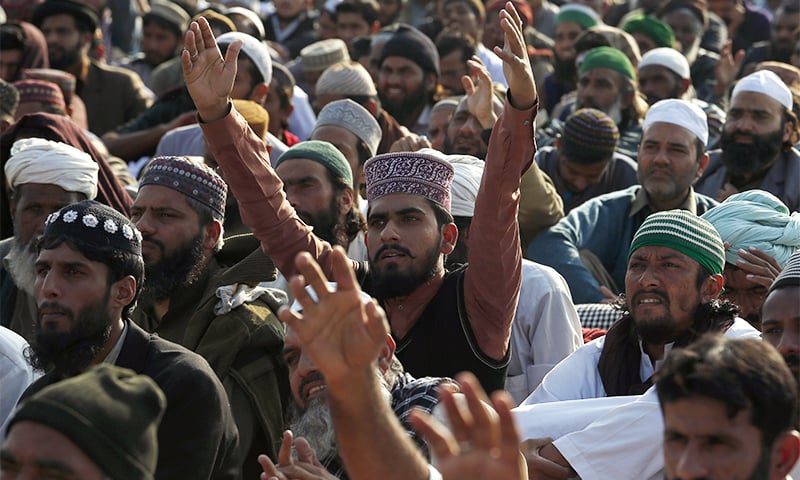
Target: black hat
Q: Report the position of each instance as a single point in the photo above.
(95, 225)
(84, 15)
(410, 43)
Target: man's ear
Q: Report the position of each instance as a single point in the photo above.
(259, 93)
(701, 167)
(372, 107)
(212, 232)
(431, 81)
(449, 238)
(123, 291)
(345, 200)
(685, 82)
(386, 353)
(711, 288)
(785, 453)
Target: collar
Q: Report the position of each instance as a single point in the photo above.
(112, 356)
(641, 201)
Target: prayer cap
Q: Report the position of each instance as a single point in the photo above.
(660, 32)
(790, 276)
(577, 13)
(427, 174)
(668, 58)
(410, 43)
(111, 414)
(322, 54)
(170, 13)
(354, 118)
(607, 57)
(40, 91)
(468, 171)
(323, 153)
(36, 160)
(346, 79)
(195, 180)
(589, 136)
(256, 51)
(449, 102)
(681, 113)
(756, 218)
(684, 232)
(250, 15)
(257, 116)
(94, 225)
(767, 83)
(9, 100)
(82, 13)
(63, 79)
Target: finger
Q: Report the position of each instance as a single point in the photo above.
(285, 453)
(469, 86)
(485, 431)
(305, 453)
(206, 35)
(509, 433)
(440, 440)
(754, 252)
(377, 323)
(343, 272)
(460, 419)
(232, 54)
(287, 316)
(313, 276)
(269, 470)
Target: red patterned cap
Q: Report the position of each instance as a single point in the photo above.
(426, 174)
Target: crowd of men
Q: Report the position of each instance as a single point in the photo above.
(399, 239)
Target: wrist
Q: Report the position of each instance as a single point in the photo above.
(212, 113)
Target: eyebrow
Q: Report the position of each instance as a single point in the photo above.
(295, 181)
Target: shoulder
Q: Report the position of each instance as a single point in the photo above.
(117, 74)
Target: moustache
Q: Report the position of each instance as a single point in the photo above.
(396, 247)
(53, 307)
(312, 377)
(659, 293)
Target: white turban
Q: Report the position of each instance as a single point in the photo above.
(36, 160)
(766, 83)
(681, 113)
(756, 218)
(668, 58)
(466, 182)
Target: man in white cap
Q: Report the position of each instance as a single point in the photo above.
(757, 143)
(353, 131)
(588, 246)
(665, 73)
(546, 327)
(43, 176)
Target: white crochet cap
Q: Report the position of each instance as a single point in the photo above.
(255, 50)
(354, 118)
(681, 113)
(346, 79)
(767, 83)
(668, 58)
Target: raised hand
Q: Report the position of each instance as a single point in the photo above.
(481, 443)
(516, 65)
(305, 467)
(480, 95)
(341, 334)
(208, 76)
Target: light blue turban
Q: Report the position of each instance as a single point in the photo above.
(756, 218)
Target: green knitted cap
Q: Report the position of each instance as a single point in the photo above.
(110, 413)
(685, 232)
(660, 32)
(607, 57)
(580, 14)
(323, 153)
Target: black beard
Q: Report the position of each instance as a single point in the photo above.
(326, 224)
(69, 353)
(171, 273)
(391, 283)
(414, 101)
(566, 71)
(750, 158)
(66, 60)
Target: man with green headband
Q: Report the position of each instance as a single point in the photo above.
(672, 285)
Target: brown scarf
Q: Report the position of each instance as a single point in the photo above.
(621, 357)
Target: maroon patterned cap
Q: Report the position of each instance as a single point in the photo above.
(425, 174)
(192, 179)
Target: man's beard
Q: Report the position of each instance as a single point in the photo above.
(171, 273)
(750, 158)
(69, 353)
(389, 282)
(66, 59)
(401, 109)
(21, 262)
(566, 70)
(325, 223)
(658, 330)
(479, 149)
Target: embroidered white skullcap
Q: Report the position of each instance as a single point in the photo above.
(681, 113)
(767, 83)
(346, 79)
(332, 286)
(668, 58)
(353, 118)
(466, 183)
(255, 50)
(36, 160)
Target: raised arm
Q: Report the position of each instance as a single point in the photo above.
(493, 277)
(243, 157)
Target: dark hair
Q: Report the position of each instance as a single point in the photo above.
(354, 221)
(742, 374)
(368, 9)
(790, 117)
(361, 47)
(450, 41)
(120, 263)
(159, 21)
(443, 217)
(12, 37)
(589, 39)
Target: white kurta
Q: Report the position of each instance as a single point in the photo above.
(546, 329)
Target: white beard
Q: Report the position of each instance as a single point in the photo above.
(20, 263)
(615, 112)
